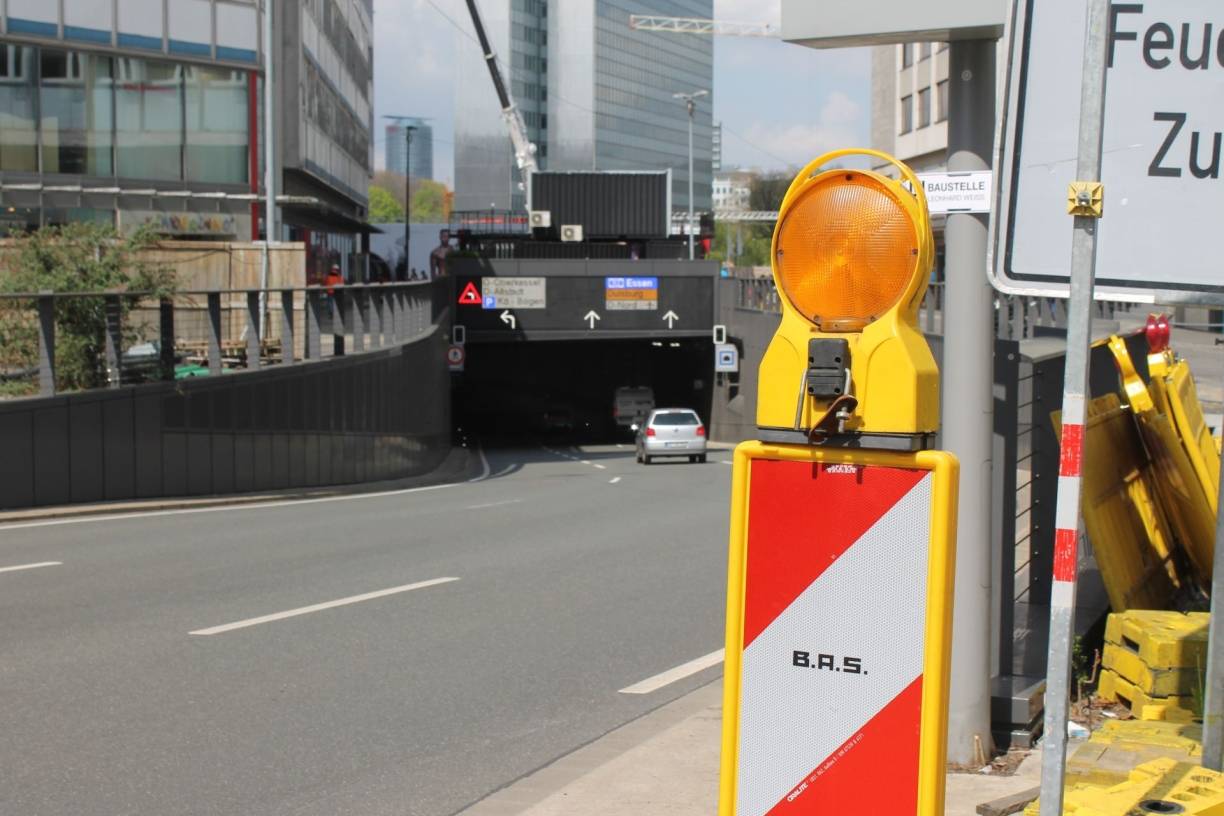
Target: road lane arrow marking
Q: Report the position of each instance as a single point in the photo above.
(591, 317)
(671, 317)
(509, 319)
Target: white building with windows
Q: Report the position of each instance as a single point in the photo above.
(732, 189)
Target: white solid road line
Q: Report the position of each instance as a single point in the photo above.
(614, 480)
(492, 504)
(672, 675)
(31, 566)
(306, 610)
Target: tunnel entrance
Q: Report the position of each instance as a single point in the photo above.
(515, 393)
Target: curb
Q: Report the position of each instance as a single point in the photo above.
(458, 463)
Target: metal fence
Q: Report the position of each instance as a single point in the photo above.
(206, 333)
(1016, 317)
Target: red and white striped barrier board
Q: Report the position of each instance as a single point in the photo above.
(834, 624)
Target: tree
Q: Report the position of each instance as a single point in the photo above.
(431, 199)
(430, 202)
(384, 207)
(84, 258)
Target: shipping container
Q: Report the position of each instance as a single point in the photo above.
(606, 205)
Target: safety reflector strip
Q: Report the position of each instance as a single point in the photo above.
(1071, 455)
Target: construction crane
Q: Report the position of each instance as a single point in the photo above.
(693, 25)
(524, 148)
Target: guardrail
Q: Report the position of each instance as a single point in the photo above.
(209, 332)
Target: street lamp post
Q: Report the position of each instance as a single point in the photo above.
(408, 129)
(407, 195)
(690, 102)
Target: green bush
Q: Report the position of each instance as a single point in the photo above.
(78, 257)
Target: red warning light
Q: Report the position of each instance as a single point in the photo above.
(1158, 332)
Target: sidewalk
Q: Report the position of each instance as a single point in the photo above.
(666, 764)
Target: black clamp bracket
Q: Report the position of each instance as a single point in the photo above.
(828, 371)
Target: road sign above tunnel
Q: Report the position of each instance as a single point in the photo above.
(591, 299)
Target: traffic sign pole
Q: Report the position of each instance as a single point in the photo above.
(1075, 386)
(1213, 705)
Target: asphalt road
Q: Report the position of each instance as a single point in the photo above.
(575, 580)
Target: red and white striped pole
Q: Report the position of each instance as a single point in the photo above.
(1087, 210)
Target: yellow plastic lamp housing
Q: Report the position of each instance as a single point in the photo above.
(846, 250)
(852, 255)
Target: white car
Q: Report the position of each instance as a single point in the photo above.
(671, 432)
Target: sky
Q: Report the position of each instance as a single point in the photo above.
(780, 104)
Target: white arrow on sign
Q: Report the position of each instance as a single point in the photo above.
(591, 317)
(509, 319)
(671, 317)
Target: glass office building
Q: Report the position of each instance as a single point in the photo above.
(594, 94)
(150, 111)
(396, 156)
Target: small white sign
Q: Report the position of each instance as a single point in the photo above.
(514, 293)
(968, 192)
(726, 358)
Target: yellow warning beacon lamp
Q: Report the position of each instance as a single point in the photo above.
(852, 254)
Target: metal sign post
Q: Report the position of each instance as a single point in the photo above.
(1085, 203)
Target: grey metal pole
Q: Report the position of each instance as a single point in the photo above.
(270, 219)
(968, 407)
(1213, 706)
(1075, 389)
(692, 105)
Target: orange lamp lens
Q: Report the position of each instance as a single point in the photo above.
(846, 251)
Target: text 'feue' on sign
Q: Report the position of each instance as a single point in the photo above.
(1161, 152)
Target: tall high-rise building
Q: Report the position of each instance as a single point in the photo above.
(594, 95)
(716, 148)
(396, 148)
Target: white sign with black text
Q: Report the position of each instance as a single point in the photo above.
(1161, 165)
(968, 192)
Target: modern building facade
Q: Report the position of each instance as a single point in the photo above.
(396, 149)
(909, 104)
(150, 111)
(595, 95)
(716, 148)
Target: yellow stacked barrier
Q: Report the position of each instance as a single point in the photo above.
(1155, 658)
(1119, 746)
(1153, 787)
(1125, 523)
(1176, 437)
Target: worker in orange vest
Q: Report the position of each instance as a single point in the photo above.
(332, 279)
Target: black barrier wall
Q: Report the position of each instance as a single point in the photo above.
(378, 415)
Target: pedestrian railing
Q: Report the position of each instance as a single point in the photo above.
(144, 337)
